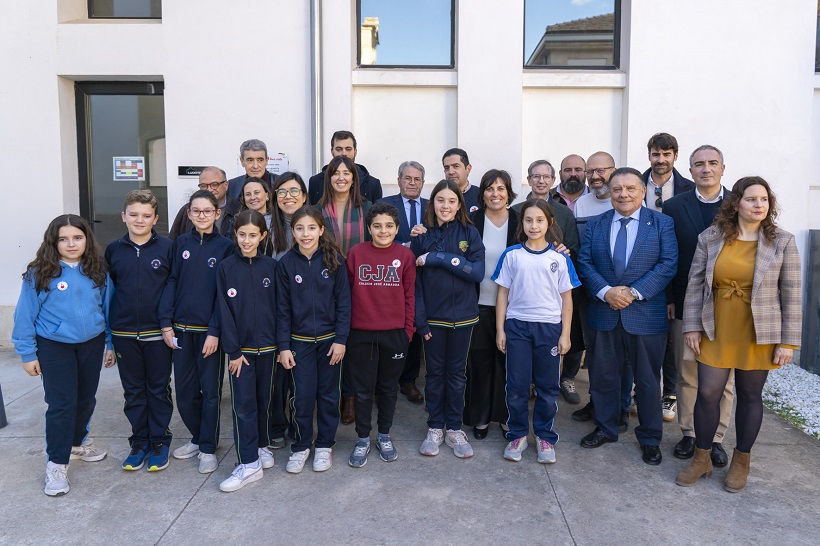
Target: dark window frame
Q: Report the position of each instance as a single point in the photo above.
(82, 91)
(616, 53)
(359, 65)
(92, 16)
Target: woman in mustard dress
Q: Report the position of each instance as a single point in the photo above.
(742, 311)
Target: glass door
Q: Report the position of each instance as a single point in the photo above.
(121, 147)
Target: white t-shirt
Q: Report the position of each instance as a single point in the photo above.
(495, 243)
(536, 281)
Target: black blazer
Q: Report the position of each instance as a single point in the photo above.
(685, 211)
(681, 184)
(404, 226)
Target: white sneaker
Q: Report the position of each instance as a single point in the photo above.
(669, 406)
(207, 463)
(435, 437)
(88, 453)
(546, 451)
(266, 457)
(458, 441)
(242, 475)
(56, 479)
(187, 451)
(515, 448)
(296, 461)
(322, 459)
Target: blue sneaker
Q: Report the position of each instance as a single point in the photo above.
(359, 456)
(135, 459)
(158, 459)
(387, 452)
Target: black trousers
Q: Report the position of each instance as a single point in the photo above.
(578, 335)
(145, 373)
(485, 395)
(412, 365)
(278, 420)
(375, 360)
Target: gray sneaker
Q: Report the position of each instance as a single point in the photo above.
(515, 448)
(278, 443)
(458, 441)
(568, 391)
(387, 452)
(207, 463)
(546, 451)
(56, 479)
(359, 456)
(435, 437)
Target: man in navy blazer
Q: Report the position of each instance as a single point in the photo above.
(411, 211)
(692, 213)
(628, 257)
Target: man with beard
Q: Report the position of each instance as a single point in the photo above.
(344, 143)
(253, 155)
(573, 181)
(599, 166)
(663, 182)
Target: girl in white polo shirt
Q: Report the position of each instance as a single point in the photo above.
(533, 315)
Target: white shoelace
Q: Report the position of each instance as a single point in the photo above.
(57, 473)
(386, 445)
(458, 437)
(360, 450)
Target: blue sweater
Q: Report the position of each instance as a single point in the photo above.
(446, 294)
(189, 298)
(311, 305)
(247, 304)
(72, 310)
(139, 274)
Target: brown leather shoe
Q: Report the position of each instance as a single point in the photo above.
(412, 393)
(348, 415)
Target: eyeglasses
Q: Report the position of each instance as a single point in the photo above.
(599, 172)
(212, 185)
(295, 192)
(207, 213)
(658, 195)
(539, 177)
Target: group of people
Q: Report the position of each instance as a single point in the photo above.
(322, 296)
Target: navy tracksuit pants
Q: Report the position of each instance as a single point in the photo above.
(71, 374)
(445, 355)
(316, 384)
(198, 383)
(532, 358)
(250, 406)
(145, 372)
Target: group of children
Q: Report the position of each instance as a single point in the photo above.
(153, 302)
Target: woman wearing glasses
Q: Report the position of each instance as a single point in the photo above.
(290, 193)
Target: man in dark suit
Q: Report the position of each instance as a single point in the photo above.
(411, 211)
(253, 156)
(663, 182)
(344, 143)
(214, 180)
(693, 212)
(628, 257)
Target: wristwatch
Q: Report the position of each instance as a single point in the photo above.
(634, 293)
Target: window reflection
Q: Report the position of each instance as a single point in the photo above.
(115, 9)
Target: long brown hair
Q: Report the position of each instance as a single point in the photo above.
(553, 230)
(265, 187)
(726, 219)
(46, 264)
(277, 224)
(330, 250)
(355, 194)
(430, 212)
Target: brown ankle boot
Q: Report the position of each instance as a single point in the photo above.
(738, 472)
(348, 415)
(701, 464)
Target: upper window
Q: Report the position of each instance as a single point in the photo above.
(124, 9)
(405, 34)
(571, 33)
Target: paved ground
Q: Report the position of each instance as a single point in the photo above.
(598, 496)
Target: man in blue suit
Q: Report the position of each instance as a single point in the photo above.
(411, 211)
(628, 257)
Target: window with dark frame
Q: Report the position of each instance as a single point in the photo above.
(393, 34)
(572, 34)
(125, 9)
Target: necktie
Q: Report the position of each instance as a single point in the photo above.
(619, 255)
(414, 219)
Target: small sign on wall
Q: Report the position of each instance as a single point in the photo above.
(189, 170)
(278, 164)
(129, 169)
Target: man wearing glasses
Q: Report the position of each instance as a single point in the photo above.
(214, 180)
(253, 155)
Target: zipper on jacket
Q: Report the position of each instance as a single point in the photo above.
(312, 298)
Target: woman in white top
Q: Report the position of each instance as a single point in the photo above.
(486, 372)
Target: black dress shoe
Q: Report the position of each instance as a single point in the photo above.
(685, 449)
(480, 433)
(651, 454)
(584, 414)
(719, 457)
(596, 438)
(623, 422)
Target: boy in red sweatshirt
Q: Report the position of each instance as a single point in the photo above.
(382, 283)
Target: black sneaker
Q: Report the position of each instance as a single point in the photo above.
(568, 391)
(584, 414)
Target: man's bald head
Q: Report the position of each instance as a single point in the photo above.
(215, 181)
(600, 166)
(572, 175)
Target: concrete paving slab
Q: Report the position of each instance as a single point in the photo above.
(606, 495)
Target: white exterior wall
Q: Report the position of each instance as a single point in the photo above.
(736, 74)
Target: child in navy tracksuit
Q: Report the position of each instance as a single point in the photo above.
(189, 318)
(139, 265)
(533, 316)
(382, 283)
(313, 322)
(450, 256)
(247, 308)
(61, 332)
